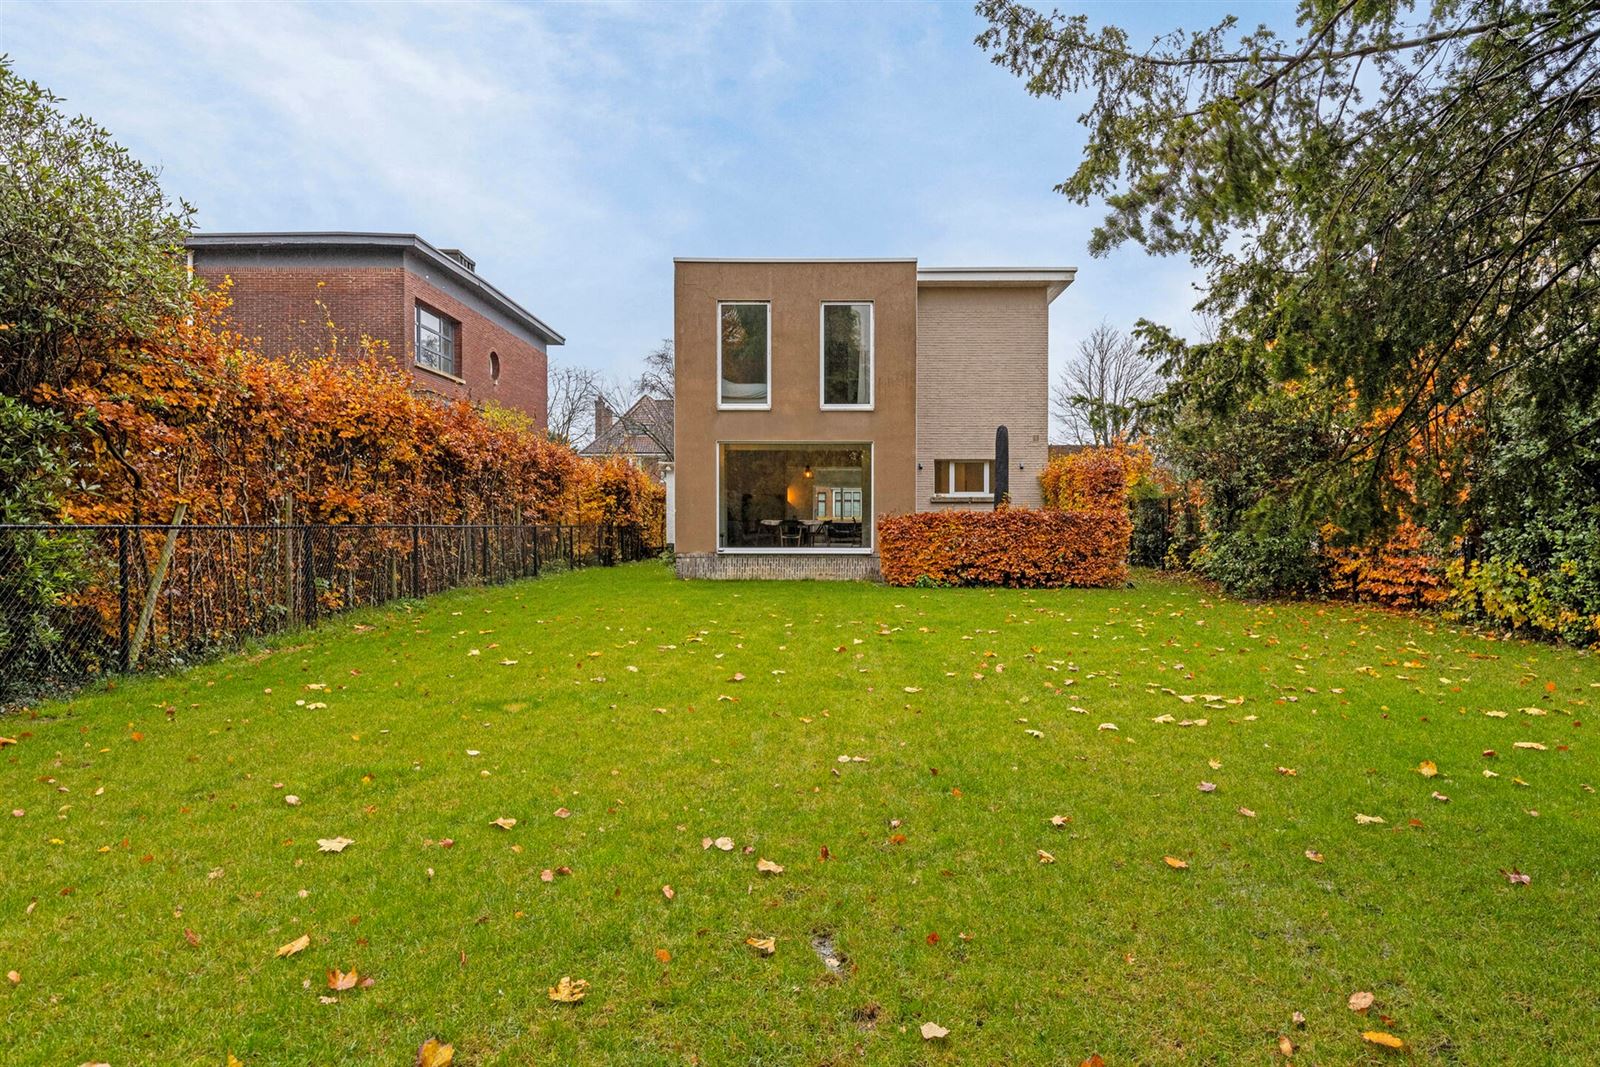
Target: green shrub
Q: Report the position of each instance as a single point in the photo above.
(1271, 554)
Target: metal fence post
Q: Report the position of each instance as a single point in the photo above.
(535, 529)
(124, 566)
(308, 574)
(416, 562)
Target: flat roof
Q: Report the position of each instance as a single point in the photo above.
(792, 259)
(351, 239)
(1054, 279)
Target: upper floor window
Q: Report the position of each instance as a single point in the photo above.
(846, 355)
(744, 355)
(963, 477)
(436, 342)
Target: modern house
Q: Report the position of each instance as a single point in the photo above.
(458, 334)
(816, 395)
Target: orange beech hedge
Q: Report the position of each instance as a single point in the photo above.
(1012, 546)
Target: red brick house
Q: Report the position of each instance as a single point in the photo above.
(459, 335)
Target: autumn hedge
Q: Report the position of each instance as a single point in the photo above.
(1011, 547)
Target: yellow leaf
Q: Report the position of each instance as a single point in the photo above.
(333, 844)
(233, 1061)
(1045, 857)
(1427, 768)
(1313, 855)
(764, 945)
(1175, 863)
(433, 1053)
(505, 822)
(299, 944)
(1378, 1037)
(569, 990)
(1285, 1046)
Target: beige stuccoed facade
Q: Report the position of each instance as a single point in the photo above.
(771, 481)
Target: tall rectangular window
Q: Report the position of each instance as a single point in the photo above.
(436, 342)
(744, 355)
(846, 355)
(963, 477)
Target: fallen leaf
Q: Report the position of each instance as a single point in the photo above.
(1440, 797)
(292, 800)
(724, 843)
(562, 813)
(1536, 746)
(1516, 877)
(1313, 855)
(1360, 1001)
(1175, 863)
(1299, 1019)
(1427, 768)
(933, 1032)
(1378, 1037)
(191, 937)
(766, 866)
(1288, 772)
(569, 990)
(663, 955)
(434, 1053)
(1093, 1061)
(547, 875)
(1247, 813)
(299, 944)
(339, 980)
(1058, 821)
(505, 822)
(764, 945)
(1285, 1046)
(1045, 857)
(14, 977)
(1208, 787)
(1368, 820)
(668, 892)
(333, 844)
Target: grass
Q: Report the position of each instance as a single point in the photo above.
(157, 808)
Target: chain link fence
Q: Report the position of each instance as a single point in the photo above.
(78, 602)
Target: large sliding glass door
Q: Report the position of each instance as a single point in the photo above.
(813, 497)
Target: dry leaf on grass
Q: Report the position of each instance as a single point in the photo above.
(1379, 1037)
(1368, 820)
(1175, 863)
(724, 843)
(1247, 813)
(663, 955)
(1360, 1001)
(299, 944)
(1208, 787)
(766, 866)
(1058, 821)
(1536, 746)
(668, 892)
(14, 977)
(434, 1053)
(563, 813)
(764, 945)
(933, 1032)
(333, 844)
(1516, 877)
(505, 822)
(1093, 1061)
(340, 981)
(569, 990)
(1285, 1046)
(1427, 768)
(1313, 855)
(1045, 857)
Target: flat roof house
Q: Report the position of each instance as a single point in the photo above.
(816, 395)
(458, 334)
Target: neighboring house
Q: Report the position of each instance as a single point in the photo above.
(459, 335)
(642, 434)
(820, 394)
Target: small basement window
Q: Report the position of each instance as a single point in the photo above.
(963, 477)
(436, 342)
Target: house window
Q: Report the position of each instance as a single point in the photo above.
(744, 355)
(494, 367)
(811, 497)
(963, 477)
(846, 355)
(436, 342)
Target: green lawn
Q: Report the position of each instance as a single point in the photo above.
(156, 868)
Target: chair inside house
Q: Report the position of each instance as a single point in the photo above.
(789, 533)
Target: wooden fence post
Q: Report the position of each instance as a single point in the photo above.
(149, 608)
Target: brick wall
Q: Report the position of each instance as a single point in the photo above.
(982, 362)
(786, 565)
(280, 307)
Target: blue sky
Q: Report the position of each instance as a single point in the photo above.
(574, 150)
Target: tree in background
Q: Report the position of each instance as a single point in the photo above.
(91, 250)
(1398, 212)
(572, 393)
(659, 377)
(1101, 395)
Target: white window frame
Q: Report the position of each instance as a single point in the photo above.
(822, 356)
(949, 493)
(721, 404)
(869, 522)
(454, 327)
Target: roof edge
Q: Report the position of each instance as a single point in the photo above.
(345, 238)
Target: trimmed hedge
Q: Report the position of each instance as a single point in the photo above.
(1012, 546)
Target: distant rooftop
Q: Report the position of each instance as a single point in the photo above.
(452, 261)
